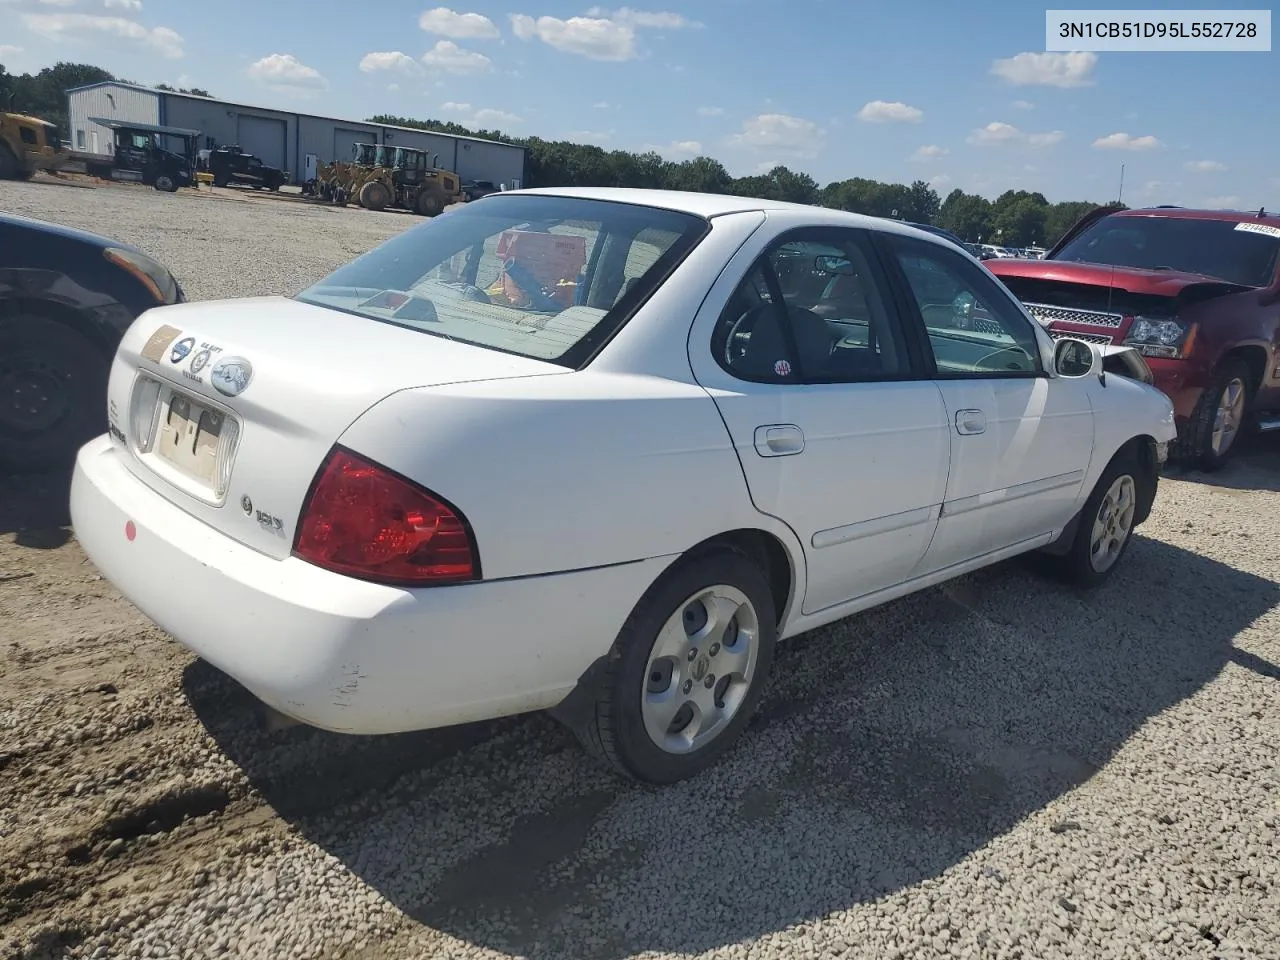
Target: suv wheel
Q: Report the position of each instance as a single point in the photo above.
(1220, 416)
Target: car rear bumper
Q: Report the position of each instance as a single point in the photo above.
(340, 653)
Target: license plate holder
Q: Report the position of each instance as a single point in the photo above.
(190, 435)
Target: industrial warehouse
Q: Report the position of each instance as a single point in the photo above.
(293, 142)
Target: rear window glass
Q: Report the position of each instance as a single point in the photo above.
(1244, 253)
(544, 277)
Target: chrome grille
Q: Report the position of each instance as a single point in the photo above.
(1089, 318)
(1100, 338)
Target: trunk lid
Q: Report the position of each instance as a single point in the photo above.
(227, 408)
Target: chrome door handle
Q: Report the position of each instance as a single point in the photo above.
(970, 422)
(779, 440)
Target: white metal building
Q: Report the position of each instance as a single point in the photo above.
(282, 138)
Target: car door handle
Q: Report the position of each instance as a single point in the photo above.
(779, 440)
(970, 422)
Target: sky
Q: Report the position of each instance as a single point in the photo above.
(958, 94)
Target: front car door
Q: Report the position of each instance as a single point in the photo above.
(1021, 439)
(839, 431)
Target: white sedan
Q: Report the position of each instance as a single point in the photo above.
(596, 451)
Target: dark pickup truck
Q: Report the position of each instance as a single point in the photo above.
(1196, 292)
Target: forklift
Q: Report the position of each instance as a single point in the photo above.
(140, 155)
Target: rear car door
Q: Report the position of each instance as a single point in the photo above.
(1020, 439)
(839, 432)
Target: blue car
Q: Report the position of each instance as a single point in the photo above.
(66, 299)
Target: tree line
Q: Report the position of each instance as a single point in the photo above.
(1016, 218)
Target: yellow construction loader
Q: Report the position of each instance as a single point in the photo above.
(28, 144)
(380, 176)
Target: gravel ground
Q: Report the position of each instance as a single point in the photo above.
(998, 768)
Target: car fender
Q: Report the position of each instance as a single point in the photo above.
(569, 472)
(1123, 409)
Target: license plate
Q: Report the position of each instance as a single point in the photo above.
(189, 435)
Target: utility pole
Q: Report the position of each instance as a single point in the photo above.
(1121, 193)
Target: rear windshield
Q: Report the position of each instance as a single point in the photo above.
(544, 277)
(1244, 253)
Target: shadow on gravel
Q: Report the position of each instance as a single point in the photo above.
(1255, 466)
(888, 748)
(35, 508)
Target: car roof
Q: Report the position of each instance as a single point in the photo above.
(58, 230)
(718, 204)
(1191, 213)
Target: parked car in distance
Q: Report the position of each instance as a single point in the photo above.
(230, 164)
(475, 189)
(66, 298)
(679, 435)
(1197, 292)
(938, 232)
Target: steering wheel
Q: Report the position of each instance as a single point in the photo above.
(1018, 357)
(737, 340)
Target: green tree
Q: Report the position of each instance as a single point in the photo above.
(1020, 222)
(967, 215)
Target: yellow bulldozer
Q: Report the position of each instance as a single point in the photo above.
(28, 144)
(380, 176)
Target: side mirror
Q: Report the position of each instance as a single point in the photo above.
(1076, 358)
(840, 266)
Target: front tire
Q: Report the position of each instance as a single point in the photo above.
(682, 679)
(53, 393)
(1220, 416)
(1106, 525)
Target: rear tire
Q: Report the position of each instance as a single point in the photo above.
(374, 196)
(1221, 415)
(53, 393)
(1105, 529)
(429, 203)
(9, 165)
(690, 663)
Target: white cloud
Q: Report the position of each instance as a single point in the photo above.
(655, 20)
(8, 49)
(488, 116)
(710, 111)
(890, 111)
(86, 26)
(1047, 69)
(460, 26)
(941, 180)
(677, 148)
(589, 136)
(286, 72)
(591, 37)
(133, 6)
(451, 58)
(1047, 139)
(780, 132)
(1122, 141)
(452, 107)
(59, 3)
(602, 105)
(998, 133)
(1231, 200)
(1204, 166)
(389, 60)
(930, 151)
(1023, 105)
(393, 87)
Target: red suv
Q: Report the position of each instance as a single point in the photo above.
(1196, 292)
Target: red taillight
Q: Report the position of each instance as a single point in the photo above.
(365, 521)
